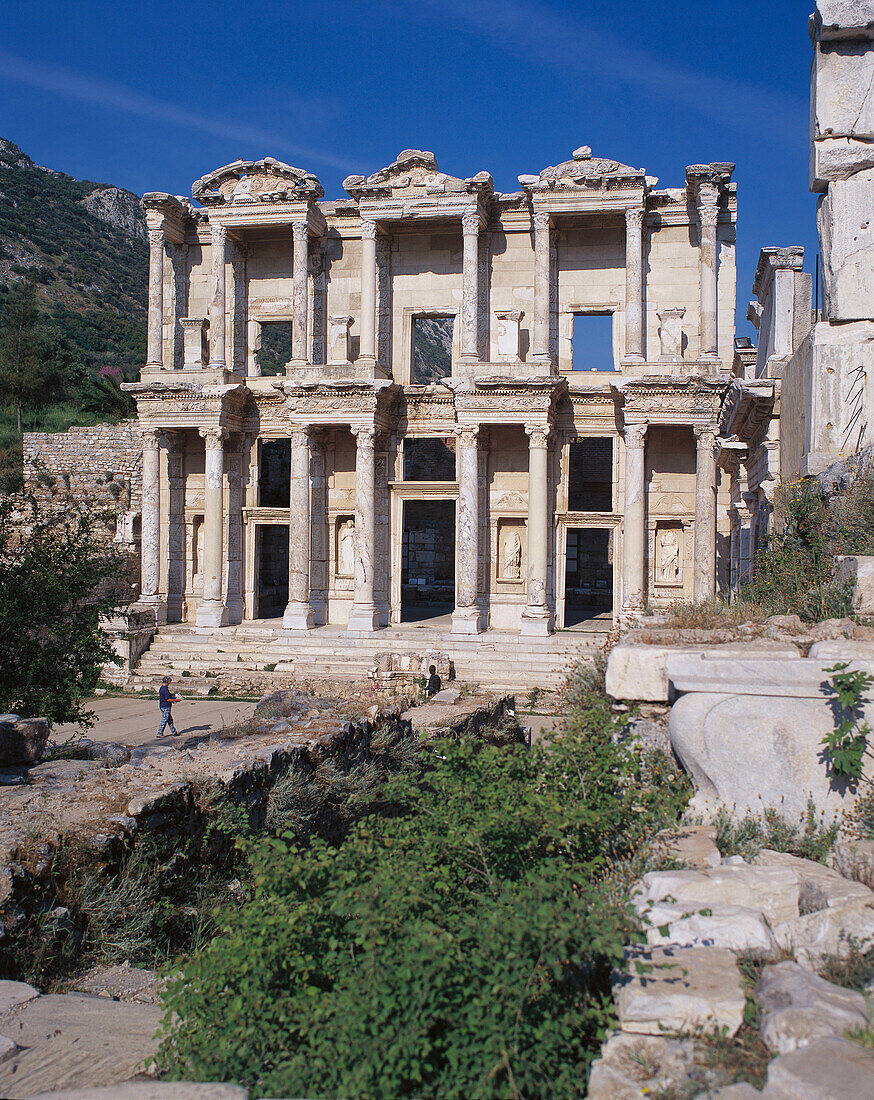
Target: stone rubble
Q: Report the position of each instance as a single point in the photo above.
(798, 1006)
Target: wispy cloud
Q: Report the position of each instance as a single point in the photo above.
(116, 97)
(539, 35)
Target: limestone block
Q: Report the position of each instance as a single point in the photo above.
(826, 1069)
(680, 990)
(819, 886)
(832, 15)
(736, 928)
(694, 845)
(798, 1006)
(632, 1066)
(756, 675)
(814, 937)
(751, 752)
(15, 993)
(854, 859)
(22, 740)
(859, 571)
(846, 230)
(771, 890)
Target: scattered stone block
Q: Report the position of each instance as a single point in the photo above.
(15, 993)
(819, 886)
(632, 1066)
(447, 695)
(854, 859)
(22, 740)
(733, 927)
(694, 845)
(798, 1006)
(826, 1069)
(771, 890)
(858, 570)
(680, 990)
(814, 937)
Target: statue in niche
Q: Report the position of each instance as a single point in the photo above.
(670, 566)
(346, 555)
(198, 548)
(512, 557)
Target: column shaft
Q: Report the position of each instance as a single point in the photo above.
(218, 305)
(367, 348)
(212, 610)
(150, 522)
(708, 212)
(363, 614)
(155, 351)
(466, 618)
(634, 522)
(536, 616)
(299, 292)
(298, 614)
(635, 342)
(540, 336)
(470, 285)
(704, 575)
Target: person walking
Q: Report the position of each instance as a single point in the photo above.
(166, 699)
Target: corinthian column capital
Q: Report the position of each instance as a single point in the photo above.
(538, 435)
(300, 232)
(368, 230)
(706, 436)
(214, 437)
(634, 216)
(156, 238)
(541, 220)
(635, 435)
(470, 223)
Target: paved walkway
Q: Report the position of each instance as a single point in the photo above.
(133, 719)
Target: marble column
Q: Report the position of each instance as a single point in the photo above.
(367, 347)
(704, 574)
(212, 610)
(175, 525)
(635, 340)
(300, 297)
(218, 305)
(634, 522)
(298, 614)
(536, 616)
(363, 615)
(708, 213)
(470, 285)
(150, 528)
(155, 338)
(540, 335)
(466, 618)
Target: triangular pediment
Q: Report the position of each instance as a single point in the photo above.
(255, 181)
(583, 171)
(413, 174)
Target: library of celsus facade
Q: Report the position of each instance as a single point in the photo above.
(496, 407)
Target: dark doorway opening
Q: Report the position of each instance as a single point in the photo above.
(272, 551)
(274, 473)
(588, 584)
(428, 559)
(590, 475)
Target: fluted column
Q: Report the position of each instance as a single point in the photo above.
(363, 615)
(466, 618)
(155, 352)
(218, 305)
(367, 346)
(704, 574)
(300, 298)
(470, 285)
(708, 213)
(635, 342)
(150, 528)
(540, 336)
(298, 614)
(212, 610)
(536, 616)
(634, 522)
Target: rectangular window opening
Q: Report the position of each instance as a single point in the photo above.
(432, 349)
(275, 347)
(590, 475)
(274, 473)
(431, 459)
(592, 342)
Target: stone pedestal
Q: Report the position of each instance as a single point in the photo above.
(507, 340)
(298, 614)
(195, 346)
(338, 341)
(467, 618)
(671, 335)
(536, 618)
(634, 522)
(218, 304)
(363, 615)
(212, 611)
(704, 573)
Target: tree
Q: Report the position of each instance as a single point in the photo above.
(29, 370)
(57, 579)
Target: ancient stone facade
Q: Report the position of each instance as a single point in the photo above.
(444, 432)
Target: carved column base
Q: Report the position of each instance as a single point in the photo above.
(363, 620)
(211, 613)
(298, 616)
(154, 607)
(536, 622)
(467, 620)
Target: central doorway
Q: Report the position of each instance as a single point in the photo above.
(588, 579)
(272, 557)
(427, 560)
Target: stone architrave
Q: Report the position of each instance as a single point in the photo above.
(155, 354)
(150, 527)
(363, 615)
(300, 302)
(470, 225)
(708, 215)
(536, 618)
(195, 346)
(299, 614)
(671, 334)
(635, 335)
(704, 576)
(634, 529)
(542, 282)
(212, 610)
(367, 347)
(508, 334)
(218, 304)
(466, 618)
(338, 340)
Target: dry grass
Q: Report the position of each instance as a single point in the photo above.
(712, 614)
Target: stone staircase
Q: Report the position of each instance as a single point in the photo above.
(497, 660)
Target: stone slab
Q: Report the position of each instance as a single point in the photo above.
(854, 859)
(15, 993)
(819, 886)
(634, 1066)
(771, 890)
(694, 845)
(798, 1006)
(826, 1069)
(736, 928)
(812, 938)
(681, 990)
(800, 678)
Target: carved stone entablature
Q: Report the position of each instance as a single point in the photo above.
(415, 175)
(179, 404)
(747, 409)
(356, 402)
(502, 400)
(426, 409)
(584, 172)
(771, 260)
(167, 213)
(705, 183)
(256, 181)
(671, 401)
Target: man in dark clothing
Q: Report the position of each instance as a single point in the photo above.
(433, 685)
(166, 699)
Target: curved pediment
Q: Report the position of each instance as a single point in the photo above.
(253, 181)
(583, 171)
(414, 173)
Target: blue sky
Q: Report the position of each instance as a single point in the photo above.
(150, 96)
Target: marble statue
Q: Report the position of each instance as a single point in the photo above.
(512, 557)
(346, 557)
